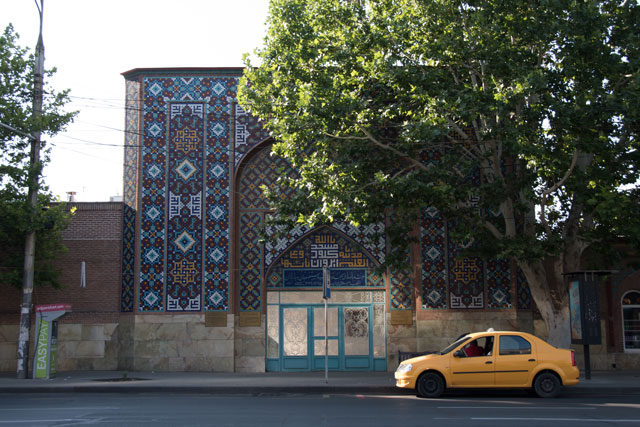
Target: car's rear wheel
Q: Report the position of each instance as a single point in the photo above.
(547, 385)
(430, 384)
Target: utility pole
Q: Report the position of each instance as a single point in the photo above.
(33, 181)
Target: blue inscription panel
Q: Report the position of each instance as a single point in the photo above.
(312, 278)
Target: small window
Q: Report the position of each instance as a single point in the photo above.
(631, 320)
(512, 344)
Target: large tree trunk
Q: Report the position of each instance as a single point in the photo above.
(550, 293)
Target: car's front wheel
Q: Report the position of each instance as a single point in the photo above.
(547, 385)
(430, 384)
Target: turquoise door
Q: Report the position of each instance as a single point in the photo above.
(349, 338)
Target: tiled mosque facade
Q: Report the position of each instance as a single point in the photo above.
(195, 164)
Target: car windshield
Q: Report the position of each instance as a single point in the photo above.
(454, 345)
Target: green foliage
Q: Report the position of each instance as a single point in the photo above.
(48, 220)
(531, 109)
(17, 217)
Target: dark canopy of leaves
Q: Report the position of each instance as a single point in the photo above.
(518, 120)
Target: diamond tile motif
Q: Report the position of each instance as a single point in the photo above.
(216, 255)
(185, 169)
(152, 255)
(184, 242)
(217, 171)
(155, 130)
(154, 171)
(153, 213)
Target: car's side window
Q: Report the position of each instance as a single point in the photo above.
(479, 347)
(512, 344)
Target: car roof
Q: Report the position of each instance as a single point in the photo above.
(485, 333)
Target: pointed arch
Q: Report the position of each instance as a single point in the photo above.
(255, 169)
(300, 263)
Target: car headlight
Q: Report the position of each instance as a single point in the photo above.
(404, 367)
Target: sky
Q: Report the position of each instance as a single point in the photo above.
(92, 42)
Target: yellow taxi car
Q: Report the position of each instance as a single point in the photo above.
(492, 359)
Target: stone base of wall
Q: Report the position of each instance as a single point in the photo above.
(250, 347)
(81, 347)
(8, 348)
(181, 342)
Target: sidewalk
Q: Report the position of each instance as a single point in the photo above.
(369, 383)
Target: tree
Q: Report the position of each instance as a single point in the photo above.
(528, 108)
(16, 215)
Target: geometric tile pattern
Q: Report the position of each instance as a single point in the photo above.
(302, 263)
(499, 276)
(401, 290)
(128, 259)
(400, 282)
(250, 283)
(248, 132)
(261, 170)
(185, 169)
(523, 291)
(465, 274)
(371, 237)
(452, 281)
(184, 194)
(130, 199)
(274, 249)
(499, 283)
(131, 142)
(434, 260)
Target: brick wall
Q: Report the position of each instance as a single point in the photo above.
(95, 237)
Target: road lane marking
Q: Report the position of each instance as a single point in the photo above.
(588, 420)
(617, 405)
(510, 407)
(81, 408)
(67, 420)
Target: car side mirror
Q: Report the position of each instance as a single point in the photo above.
(459, 353)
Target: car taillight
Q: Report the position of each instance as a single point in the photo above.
(573, 358)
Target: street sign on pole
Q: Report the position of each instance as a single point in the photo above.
(326, 284)
(326, 294)
(584, 311)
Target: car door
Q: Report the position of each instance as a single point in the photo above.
(515, 359)
(473, 371)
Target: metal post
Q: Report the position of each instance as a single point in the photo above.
(587, 363)
(32, 196)
(326, 342)
(326, 325)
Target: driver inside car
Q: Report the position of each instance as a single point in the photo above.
(473, 349)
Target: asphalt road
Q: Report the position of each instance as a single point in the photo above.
(459, 409)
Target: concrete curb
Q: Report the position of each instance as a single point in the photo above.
(211, 390)
(279, 390)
